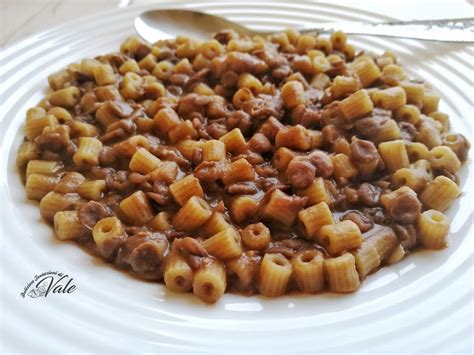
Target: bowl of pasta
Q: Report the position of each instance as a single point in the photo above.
(288, 183)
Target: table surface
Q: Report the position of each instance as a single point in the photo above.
(20, 18)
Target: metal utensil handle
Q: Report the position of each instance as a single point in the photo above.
(446, 30)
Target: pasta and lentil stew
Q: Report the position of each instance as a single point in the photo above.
(243, 164)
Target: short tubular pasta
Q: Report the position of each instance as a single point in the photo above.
(43, 167)
(213, 150)
(130, 146)
(367, 259)
(202, 62)
(143, 161)
(245, 268)
(61, 114)
(344, 85)
(343, 168)
(194, 213)
(104, 74)
(292, 36)
(108, 235)
(88, 65)
(211, 48)
(394, 154)
(349, 51)
(59, 79)
(256, 236)
(367, 71)
(315, 217)
(275, 272)
(305, 43)
(163, 70)
(203, 89)
(67, 225)
(239, 170)
(282, 158)
(92, 190)
(148, 62)
(82, 129)
(67, 97)
(187, 147)
(440, 193)
(293, 94)
(390, 99)
(54, 202)
(137, 208)
(443, 157)
(106, 114)
(433, 228)
(162, 222)
(26, 153)
(217, 223)
(166, 119)
(87, 151)
(430, 102)
(316, 192)
(250, 82)
(408, 113)
(296, 137)
(239, 45)
(308, 269)
(356, 105)
(131, 86)
(34, 127)
(416, 151)
(38, 185)
(129, 66)
(178, 274)
(234, 141)
(428, 134)
(459, 144)
(339, 237)
(241, 96)
(320, 64)
(224, 245)
(210, 281)
(341, 273)
(414, 92)
(243, 208)
(182, 190)
(338, 40)
(282, 208)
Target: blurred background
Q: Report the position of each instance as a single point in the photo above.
(20, 18)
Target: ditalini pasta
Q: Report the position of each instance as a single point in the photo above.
(275, 272)
(308, 269)
(257, 165)
(178, 274)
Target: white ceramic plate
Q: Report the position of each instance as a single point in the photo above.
(422, 304)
